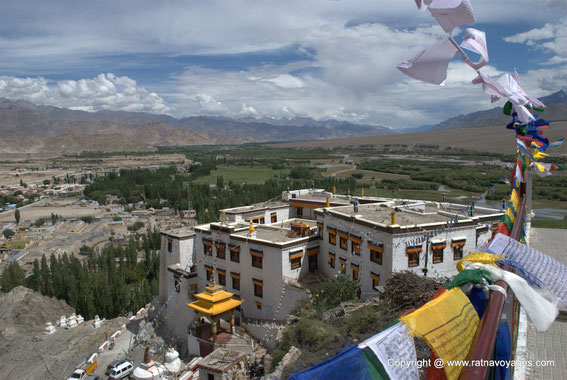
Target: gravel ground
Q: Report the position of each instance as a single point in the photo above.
(25, 353)
(552, 344)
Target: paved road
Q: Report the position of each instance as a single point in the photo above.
(551, 345)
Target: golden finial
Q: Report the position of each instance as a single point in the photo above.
(362, 192)
(251, 229)
(334, 190)
(328, 202)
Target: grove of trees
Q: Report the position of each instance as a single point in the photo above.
(109, 282)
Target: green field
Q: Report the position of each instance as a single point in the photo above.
(241, 174)
(550, 223)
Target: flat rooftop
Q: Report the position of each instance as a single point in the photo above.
(410, 213)
(380, 213)
(273, 234)
(179, 233)
(255, 207)
(220, 359)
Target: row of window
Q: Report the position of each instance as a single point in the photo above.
(262, 220)
(257, 255)
(343, 239)
(438, 249)
(235, 277)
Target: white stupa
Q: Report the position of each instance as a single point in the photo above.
(49, 329)
(97, 322)
(172, 361)
(62, 321)
(80, 319)
(72, 321)
(148, 370)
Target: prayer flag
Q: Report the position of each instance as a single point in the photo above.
(448, 325)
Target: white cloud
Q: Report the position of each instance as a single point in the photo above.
(208, 104)
(248, 110)
(103, 92)
(285, 81)
(551, 38)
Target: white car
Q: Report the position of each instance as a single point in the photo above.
(121, 371)
(79, 374)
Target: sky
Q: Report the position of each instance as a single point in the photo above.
(323, 59)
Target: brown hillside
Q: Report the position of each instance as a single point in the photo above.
(487, 139)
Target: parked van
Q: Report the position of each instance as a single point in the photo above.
(121, 371)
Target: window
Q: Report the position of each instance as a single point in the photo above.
(458, 245)
(438, 249)
(274, 217)
(169, 245)
(177, 282)
(221, 277)
(208, 248)
(235, 280)
(413, 256)
(209, 272)
(343, 240)
(354, 268)
(193, 288)
(221, 250)
(342, 263)
(295, 259)
(210, 376)
(332, 238)
(257, 220)
(375, 280)
(300, 211)
(258, 305)
(376, 253)
(257, 257)
(234, 254)
(355, 244)
(258, 287)
(332, 260)
(356, 248)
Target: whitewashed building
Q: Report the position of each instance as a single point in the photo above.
(178, 279)
(263, 253)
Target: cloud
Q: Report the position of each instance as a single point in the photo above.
(326, 59)
(248, 110)
(103, 92)
(285, 81)
(551, 38)
(208, 104)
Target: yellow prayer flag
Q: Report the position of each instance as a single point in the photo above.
(479, 257)
(448, 325)
(515, 199)
(510, 215)
(539, 167)
(540, 155)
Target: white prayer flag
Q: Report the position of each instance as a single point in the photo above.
(395, 344)
(452, 13)
(475, 40)
(431, 64)
(550, 272)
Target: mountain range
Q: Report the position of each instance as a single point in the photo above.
(26, 127)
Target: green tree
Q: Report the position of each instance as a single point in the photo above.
(8, 233)
(46, 278)
(39, 222)
(17, 216)
(12, 276)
